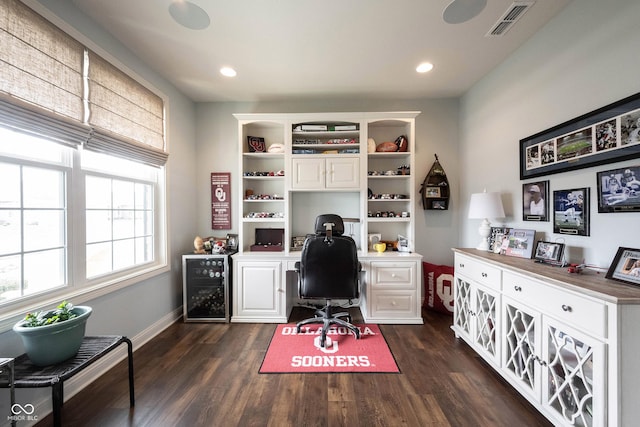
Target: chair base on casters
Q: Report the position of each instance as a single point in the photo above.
(327, 317)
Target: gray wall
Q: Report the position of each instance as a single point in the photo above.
(584, 59)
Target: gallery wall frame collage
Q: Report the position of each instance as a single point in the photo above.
(607, 135)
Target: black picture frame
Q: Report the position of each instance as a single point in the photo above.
(625, 266)
(496, 238)
(549, 252)
(232, 242)
(606, 135)
(619, 190)
(532, 209)
(571, 211)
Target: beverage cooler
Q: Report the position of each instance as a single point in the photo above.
(206, 287)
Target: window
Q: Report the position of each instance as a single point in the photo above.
(119, 216)
(33, 215)
(60, 205)
(74, 216)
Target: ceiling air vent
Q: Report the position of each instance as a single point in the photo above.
(510, 17)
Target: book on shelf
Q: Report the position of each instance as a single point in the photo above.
(309, 127)
(345, 127)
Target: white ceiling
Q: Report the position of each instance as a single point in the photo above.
(301, 49)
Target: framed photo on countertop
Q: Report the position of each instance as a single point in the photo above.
(625, 266)
(549, 252)
(520, 243)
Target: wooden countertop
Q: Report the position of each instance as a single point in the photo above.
(588, 282)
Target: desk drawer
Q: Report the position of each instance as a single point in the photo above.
(393, 274)
(478, 271)
(581, 312)
(394, 303)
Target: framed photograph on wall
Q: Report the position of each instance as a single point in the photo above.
(606, 135)
(550, 252)
(571, 211)
(619, 190)
(625, 266)
(535, 201)
(520, 243)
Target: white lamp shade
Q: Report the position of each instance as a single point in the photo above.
(486, 205)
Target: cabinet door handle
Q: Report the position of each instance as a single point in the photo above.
(461, 265)
(484, 274)
(567, 308)
(517, 288)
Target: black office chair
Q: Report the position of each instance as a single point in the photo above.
(329, 269)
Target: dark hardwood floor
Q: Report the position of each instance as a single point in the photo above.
(207, 375)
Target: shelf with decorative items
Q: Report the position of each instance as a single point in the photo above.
(326, 167)
(263, 184)
(435, 188)
(390, 183)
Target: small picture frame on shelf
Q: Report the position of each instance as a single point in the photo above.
(232, 242)
(519, 243)
(432, 192)
(497, 236)
(297, 242)
(439, 204)
(571, 211)
(256, 144)
(549, 252)
(625, 266)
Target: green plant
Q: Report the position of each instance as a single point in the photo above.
(61, 313)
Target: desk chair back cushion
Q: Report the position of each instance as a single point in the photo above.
(329, 266)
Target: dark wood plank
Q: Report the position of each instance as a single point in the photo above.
(207, 375)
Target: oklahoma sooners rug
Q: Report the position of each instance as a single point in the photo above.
(291, 352)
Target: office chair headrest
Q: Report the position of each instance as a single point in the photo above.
(337, 229)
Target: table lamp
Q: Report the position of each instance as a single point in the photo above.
(483, 206)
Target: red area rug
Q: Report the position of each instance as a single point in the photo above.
(290, 352)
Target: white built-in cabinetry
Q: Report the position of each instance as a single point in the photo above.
(568, 343)
(324, 166)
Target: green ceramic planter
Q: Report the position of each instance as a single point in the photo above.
(51, 344)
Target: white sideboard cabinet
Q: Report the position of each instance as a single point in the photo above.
(569, 343)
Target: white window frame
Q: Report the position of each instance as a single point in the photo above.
(80, 289)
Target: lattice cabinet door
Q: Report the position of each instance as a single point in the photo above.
(462, 307)
(573, 383)
(487, 320)
(522, 345)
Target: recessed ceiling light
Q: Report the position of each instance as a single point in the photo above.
(424, 67)
(228, 72)
(189, 15)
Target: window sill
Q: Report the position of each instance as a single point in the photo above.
(77, 296)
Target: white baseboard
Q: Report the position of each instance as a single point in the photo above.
(73, 386)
